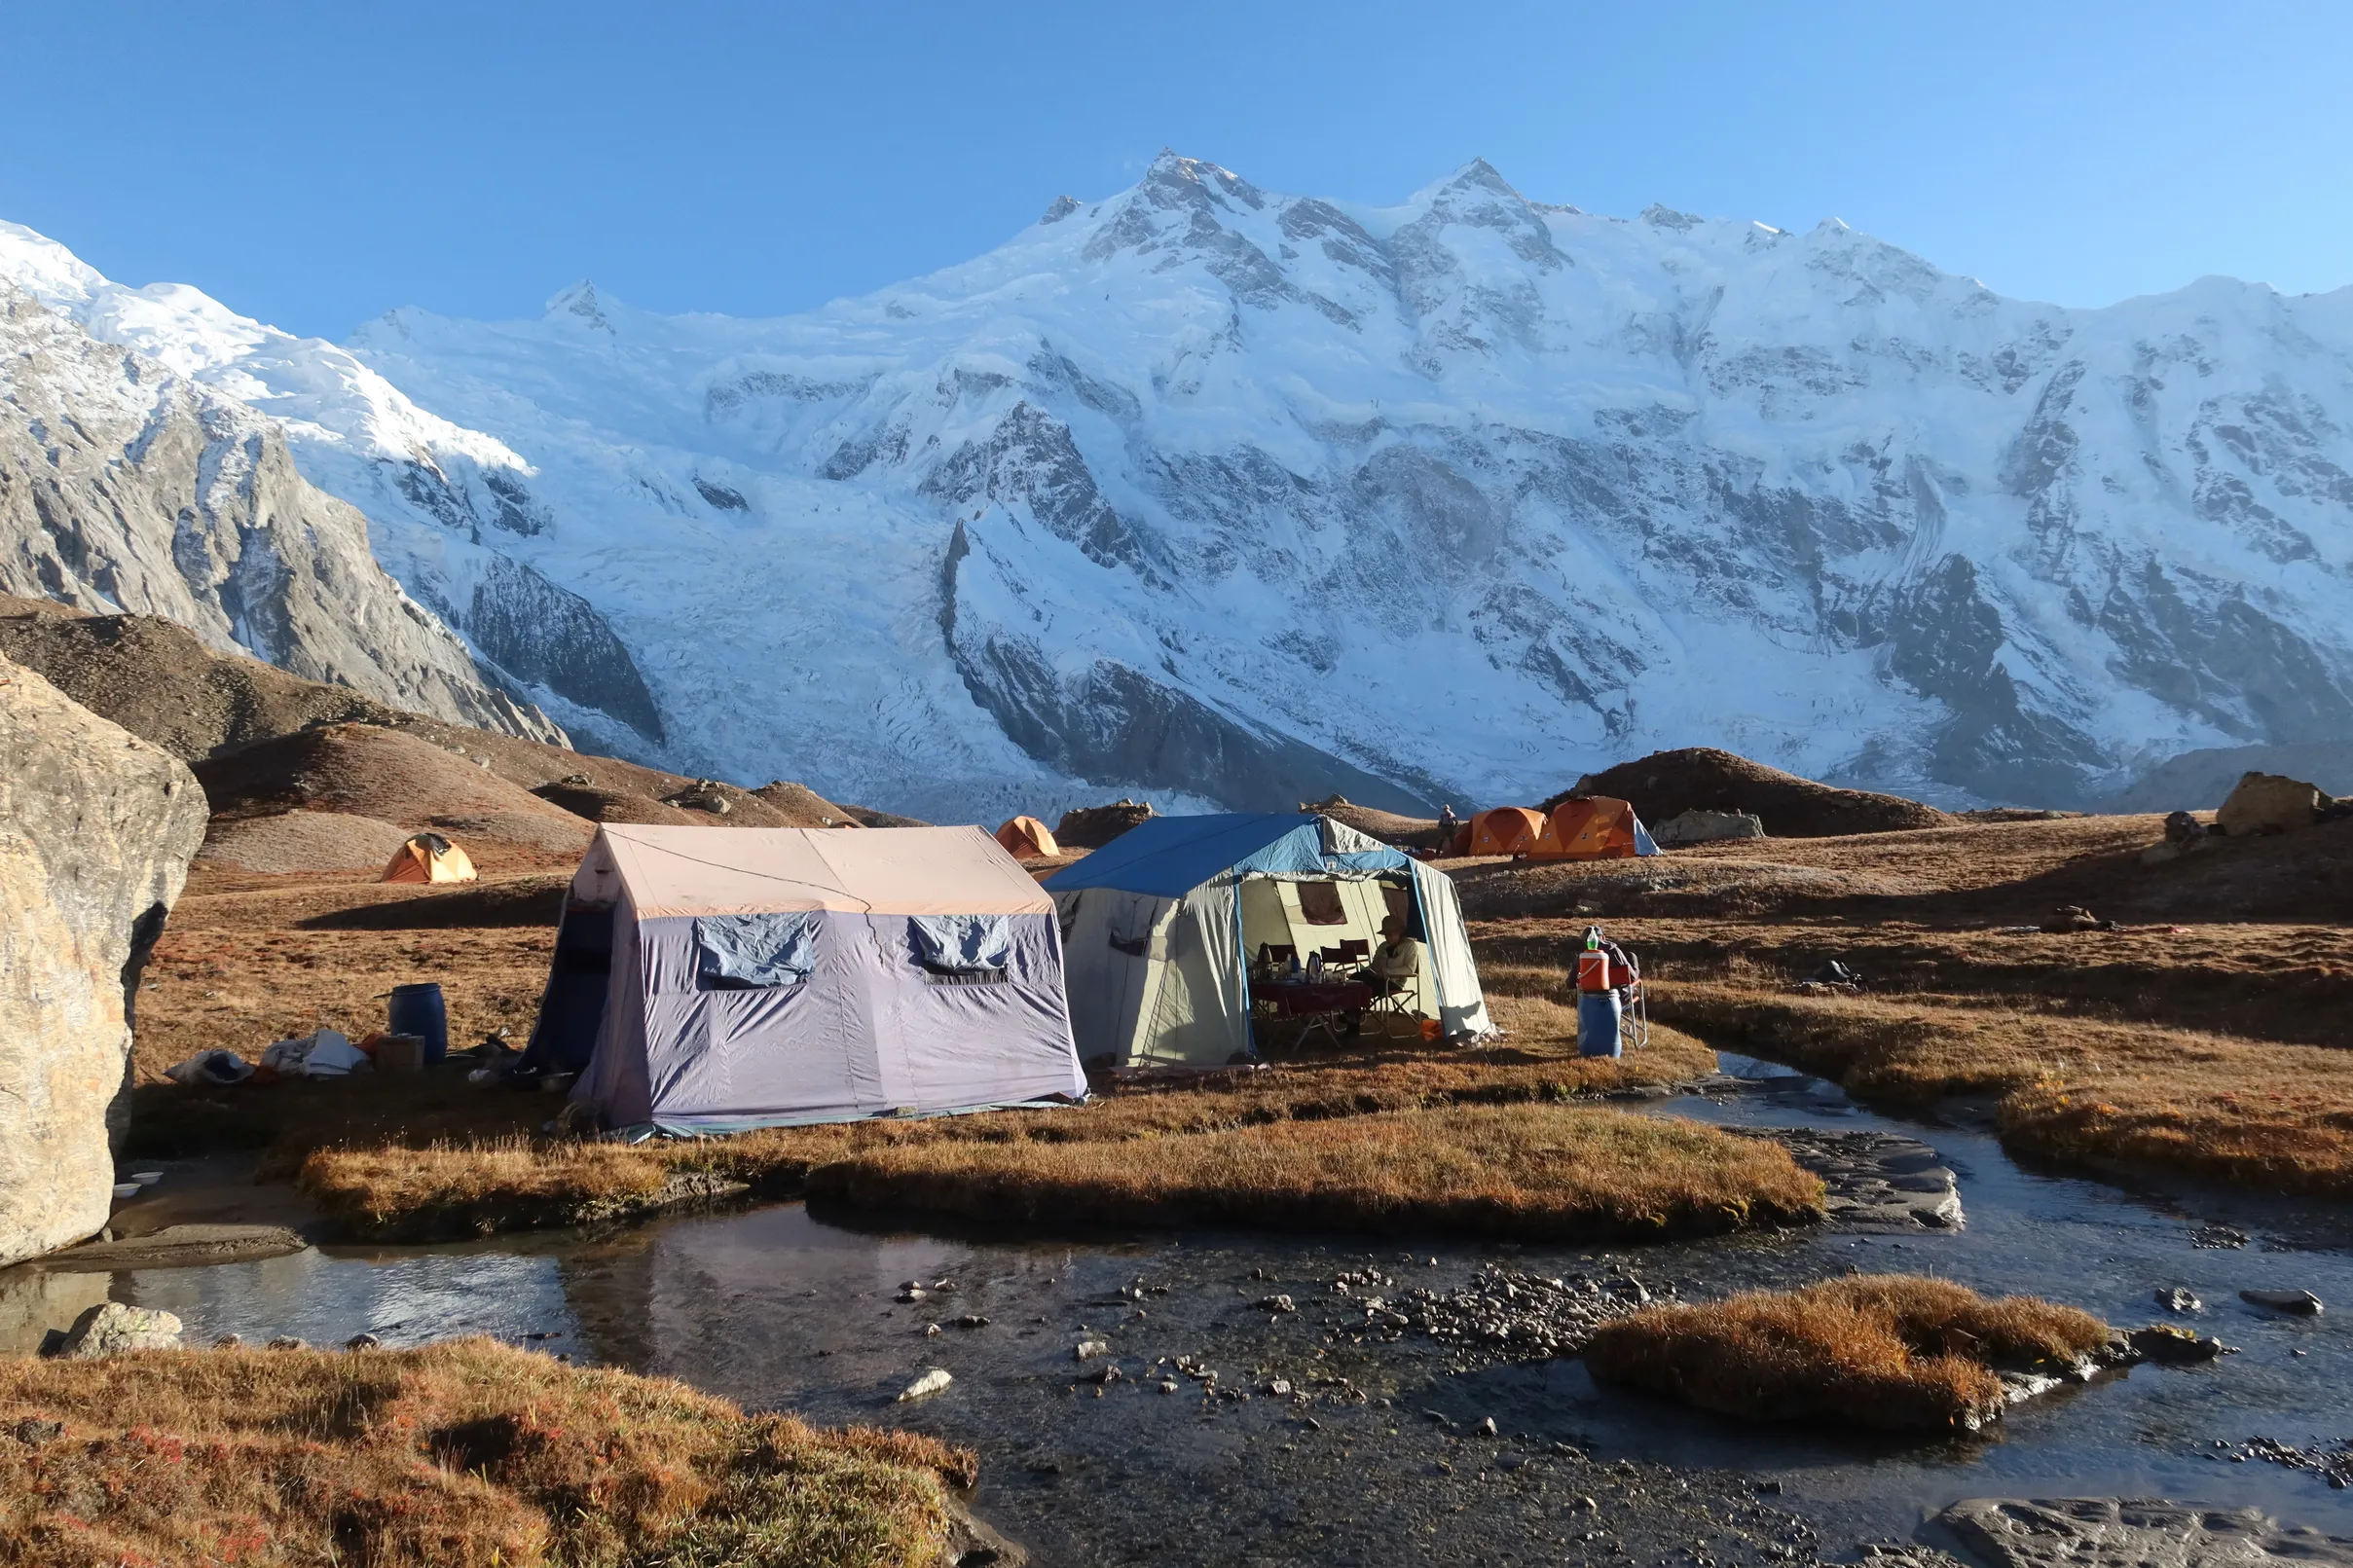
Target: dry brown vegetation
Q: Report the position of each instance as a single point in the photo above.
(1538, 1172)
(2252, 1112)
(460, 1454)
(2205, 1035)
(1893, 1351)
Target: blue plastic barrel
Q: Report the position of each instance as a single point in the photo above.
(417, 1009)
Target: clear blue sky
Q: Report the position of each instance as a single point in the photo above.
(315, 164)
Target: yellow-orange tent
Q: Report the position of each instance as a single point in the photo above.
(1025, 838)
(1595, 828)
(1507, 831)
(428, 858)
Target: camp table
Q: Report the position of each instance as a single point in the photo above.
(1318, 1002)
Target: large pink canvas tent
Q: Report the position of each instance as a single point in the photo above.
(717, 978)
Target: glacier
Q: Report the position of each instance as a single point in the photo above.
(1236, 497)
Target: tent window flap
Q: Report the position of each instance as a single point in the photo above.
(1319, 903)
(736, 952)
(962, 944)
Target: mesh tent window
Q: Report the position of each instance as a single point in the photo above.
(1319, 903)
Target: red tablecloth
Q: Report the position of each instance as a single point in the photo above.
(1302, 998)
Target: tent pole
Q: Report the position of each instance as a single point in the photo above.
(1242, 947)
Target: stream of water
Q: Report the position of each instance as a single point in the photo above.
(782, 1309)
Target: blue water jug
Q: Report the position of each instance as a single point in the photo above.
(417, 1009)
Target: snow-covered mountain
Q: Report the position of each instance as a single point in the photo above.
(125, 488)
(1246, 497)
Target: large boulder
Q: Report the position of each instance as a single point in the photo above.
(1696, 827)
(96, 830)
(2269, 802)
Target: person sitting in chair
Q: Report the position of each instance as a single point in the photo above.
(1397, 962)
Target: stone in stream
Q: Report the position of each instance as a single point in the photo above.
(1875, 1180)
(2175, 1299)
(2107, 1532)
(1088, 1349)
(2168, 1346)
(2302, 1303)
(96, 830)
(111, 1329)
(930, 1383)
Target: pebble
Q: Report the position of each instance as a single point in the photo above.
(972, 1320)
(2176, 1299)
(1088, 1349)
(287, 1341)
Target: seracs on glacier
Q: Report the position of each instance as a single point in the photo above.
(1241, 498)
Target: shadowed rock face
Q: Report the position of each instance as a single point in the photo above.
(124, 487)
(96, 830)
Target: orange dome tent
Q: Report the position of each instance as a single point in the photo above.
(1508, 831)
(428, 858)
(1025, 838)
(1595, 828)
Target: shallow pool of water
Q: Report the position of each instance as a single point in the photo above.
(781, 1308)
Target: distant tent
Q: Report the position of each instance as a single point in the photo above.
(1025, 838)
(1595, 828)
(1507, 831)
(428, 858)
(710, 979)
(1160, 924)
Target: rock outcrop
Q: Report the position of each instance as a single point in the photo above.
(96, 830)
(125, 487)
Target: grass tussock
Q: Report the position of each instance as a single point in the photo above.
(459, 1454)
(426, 1175)
(1892, 1351)
(1548, 1172)
(2259, 1114)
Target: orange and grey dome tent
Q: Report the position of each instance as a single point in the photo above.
(1025, 838)
(1508, 831)
(1594, 828)
(428, 858)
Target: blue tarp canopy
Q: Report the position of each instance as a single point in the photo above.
(1168, 856)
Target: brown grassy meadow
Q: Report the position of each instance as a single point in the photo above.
(1536, 1172)
(463, 1454)
(1892, 1351)
(2205, 1035)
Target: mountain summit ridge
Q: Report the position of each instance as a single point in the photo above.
(1239, 497)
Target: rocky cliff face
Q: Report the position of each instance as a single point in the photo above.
(124, 487)
(1241, 498)
(96, 830)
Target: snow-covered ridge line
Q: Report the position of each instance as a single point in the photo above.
(1205, 490)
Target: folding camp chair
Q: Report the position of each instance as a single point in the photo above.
(1354, 954)
(1395, 999)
